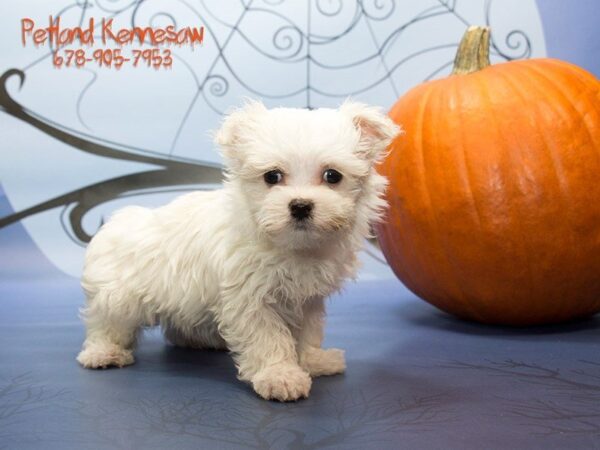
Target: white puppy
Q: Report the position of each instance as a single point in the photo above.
(247, 267)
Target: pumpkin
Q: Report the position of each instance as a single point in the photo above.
(494, 189)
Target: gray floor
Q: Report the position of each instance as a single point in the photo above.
(416, 379)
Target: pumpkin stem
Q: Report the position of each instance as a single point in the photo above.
(473, 52)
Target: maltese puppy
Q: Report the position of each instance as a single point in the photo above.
(246, 268)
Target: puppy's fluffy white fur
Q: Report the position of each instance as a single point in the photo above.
(232, 269)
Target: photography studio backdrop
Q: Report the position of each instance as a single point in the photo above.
(79, 143)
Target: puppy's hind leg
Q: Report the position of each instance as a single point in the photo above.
(110, 335)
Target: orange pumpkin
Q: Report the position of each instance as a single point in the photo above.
(495, 189)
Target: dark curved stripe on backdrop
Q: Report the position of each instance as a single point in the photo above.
(173, 172)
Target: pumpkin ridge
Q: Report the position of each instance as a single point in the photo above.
(467, 175)
(555, 159)
(557, 165)
(585, 79)
(467, 170)
(421, 259)
(456, 271)
(389, 167)
(558, 88)
(593, 144)
(434, 220)
(521, 246)
(419, 138)
(582, 74)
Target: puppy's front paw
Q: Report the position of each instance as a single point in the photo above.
(318, 361)
(283, 382)
(103, 355)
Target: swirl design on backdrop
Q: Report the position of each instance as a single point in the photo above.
(293, 41)
(517, 44)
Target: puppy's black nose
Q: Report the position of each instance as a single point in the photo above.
(301, 209)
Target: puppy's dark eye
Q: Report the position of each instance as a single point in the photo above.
(332, 176)
(273, 176)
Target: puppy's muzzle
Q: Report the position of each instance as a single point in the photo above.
(301, 209)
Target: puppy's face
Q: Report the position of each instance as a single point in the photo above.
(306, 175)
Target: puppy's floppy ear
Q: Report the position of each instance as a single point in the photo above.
(238, 130)
(376, 129)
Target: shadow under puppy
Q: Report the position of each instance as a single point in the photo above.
(247, 267)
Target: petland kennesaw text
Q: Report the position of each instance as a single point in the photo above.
(85, 35)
